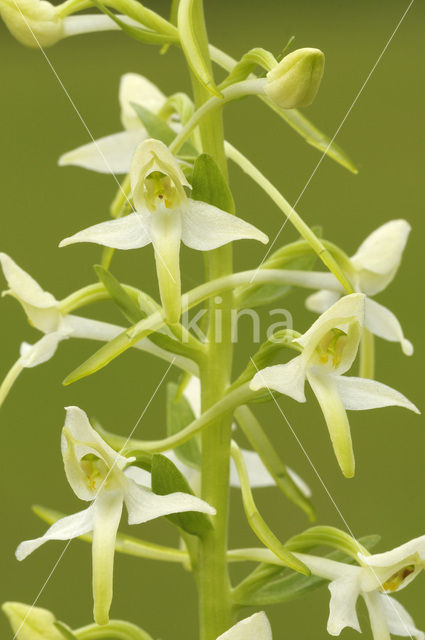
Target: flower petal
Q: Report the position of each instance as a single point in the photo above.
(347, 311)
(139, 476)
(329, 569)
(358, 394)
(257, 627)
(23, 286)
(383, 323)
(111, 154)
(91, 23)
(342, 608)
(258, 474)
(402, 553)
(377, 616)
(165, 231)
(130, 232)
(321, 301)
(399, 621)
(379, 256)
(107, 515)
(138, 89)
(288, 379)
(34, 354)
(327, 393)
(67, 528)
(143, 505)
(205, 227)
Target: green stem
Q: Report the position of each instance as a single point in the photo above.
(114, 629)
(292, 216)
(367, 355)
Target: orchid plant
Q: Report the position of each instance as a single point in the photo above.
(174, 159)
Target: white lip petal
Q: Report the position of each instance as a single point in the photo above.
(326, 390)
(257, 627)
(206, 227)
(143, 505)
(130, 232)
(288, 379)
(65, 529)
(377, 616)
(342, 608)
(111, 154)
(23, 286)
(107, 510)
(399, 621)
(383, 323)
(382, 250)
(321, 301)
(361, 393)
(41, 351)
(138, 89)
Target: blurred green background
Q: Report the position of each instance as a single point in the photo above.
(41, 204)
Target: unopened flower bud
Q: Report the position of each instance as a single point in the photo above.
(295, 81)
(31, 623)
(32, 22)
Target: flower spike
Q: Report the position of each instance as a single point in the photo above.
(329, 349)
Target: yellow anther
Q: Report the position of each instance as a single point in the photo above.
(397, 579)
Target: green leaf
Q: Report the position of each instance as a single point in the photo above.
(190, 24)
(209, 185)
(289, 586)
(142, 35)
(312, 135)
(166, 478)
(124, 301)
(157, 128)
(179, 415)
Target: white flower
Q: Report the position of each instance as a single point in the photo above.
(113, 153)
(259, 476)
(39, 23)
(329, 348)
(44, 313)
(31, 623)
(375, 264)
(165, 217)
(257, 627)
(99, 475)
(377, 576)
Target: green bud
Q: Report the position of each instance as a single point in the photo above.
(295, 81)
(30, 21)
(31, 623)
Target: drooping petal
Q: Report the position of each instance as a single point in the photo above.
(205, 227)
(67, 528)
(327, 393)
(23, 286)
(347, 310)
(257, 627)
(379, 256)
(111, 154)
(342, 608)
(377, 615)
(399, 621)
(130, 232)
(138, 89)
(288, 379)
(106, 518)
(165, 230)
(143, 505)
(361, 393)
(321, 301)
(383, 323)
